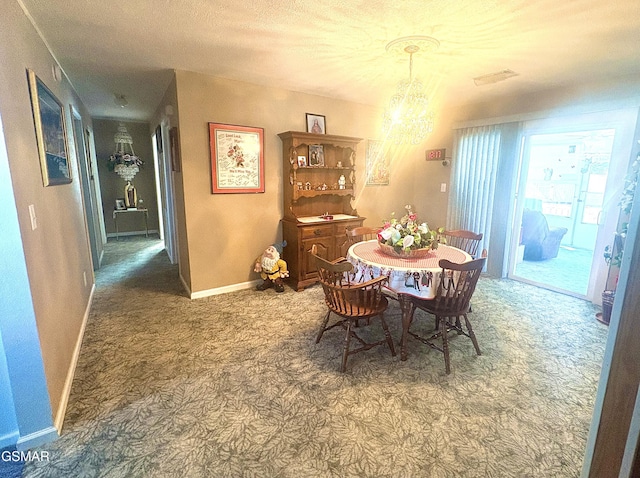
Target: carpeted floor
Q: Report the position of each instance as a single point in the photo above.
(235, 386)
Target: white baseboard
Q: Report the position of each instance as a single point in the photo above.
(66, 391)
(224, 290)
(38, 438)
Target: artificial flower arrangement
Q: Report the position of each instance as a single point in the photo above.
(125, 165)
(126, 159)
(405, 235)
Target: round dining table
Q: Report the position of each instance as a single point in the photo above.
(408, 276)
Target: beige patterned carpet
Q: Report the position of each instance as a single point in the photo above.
(235, 386)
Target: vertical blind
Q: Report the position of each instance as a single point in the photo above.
(475, 165)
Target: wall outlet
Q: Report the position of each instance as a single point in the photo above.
(32, 215)
(443, 187)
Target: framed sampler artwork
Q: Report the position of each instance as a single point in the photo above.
(237, 158)
(51, 132)
(376, 164)
(316, 124)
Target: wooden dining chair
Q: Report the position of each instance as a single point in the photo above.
(362, 233)
(450, 305)
(351, 302)
(468, 241)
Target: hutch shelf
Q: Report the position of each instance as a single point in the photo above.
(319, 175)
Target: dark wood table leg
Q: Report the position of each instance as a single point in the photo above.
(406, 307)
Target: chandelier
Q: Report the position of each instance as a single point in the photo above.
(124, 160)
(408, 119)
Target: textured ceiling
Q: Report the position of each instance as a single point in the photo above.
(334, 48)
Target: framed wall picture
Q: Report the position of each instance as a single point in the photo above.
(376, 164)
(316, 155)
(174, 140)
(237, 158)
(51, 132)
(316, 124)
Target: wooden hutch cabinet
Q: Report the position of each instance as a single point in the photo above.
(319, 184)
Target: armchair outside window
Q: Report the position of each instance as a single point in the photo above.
(540, 241)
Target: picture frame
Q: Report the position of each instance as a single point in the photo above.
(302, 161)
(376, 164)
(174, 143)
(316, 155)
(237, 158)
(120, 204)
(316, 124)
(51, 132)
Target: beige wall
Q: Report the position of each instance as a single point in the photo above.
(209, 226)
(112, 185)
(57, 253)
(225, 232)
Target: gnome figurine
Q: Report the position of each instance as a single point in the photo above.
(272, 269)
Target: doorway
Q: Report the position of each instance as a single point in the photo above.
(88, 187)
(566, 207)
(164, 186)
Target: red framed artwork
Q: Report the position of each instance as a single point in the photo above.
(237, 159)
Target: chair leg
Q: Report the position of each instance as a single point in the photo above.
(387, 335)
(345, 352)
(445, 343)
(472, 335)
(324, 327)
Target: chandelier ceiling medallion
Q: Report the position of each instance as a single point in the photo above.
(408, 119)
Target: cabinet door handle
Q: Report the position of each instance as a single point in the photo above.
(317, 232)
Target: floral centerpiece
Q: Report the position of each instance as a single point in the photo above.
(407, 237)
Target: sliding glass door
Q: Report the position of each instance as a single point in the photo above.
(571, 171)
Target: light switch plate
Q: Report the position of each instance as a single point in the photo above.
(443, 187)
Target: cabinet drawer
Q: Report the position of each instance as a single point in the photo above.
(317, 231)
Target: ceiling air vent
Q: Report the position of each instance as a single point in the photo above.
(494, 77)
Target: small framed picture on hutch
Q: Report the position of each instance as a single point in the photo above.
(237, 158)
(51, 132)
(316, 155)
(302, 161)
(316, 124)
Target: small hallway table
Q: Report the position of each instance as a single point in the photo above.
(145, 215)
(417, 277)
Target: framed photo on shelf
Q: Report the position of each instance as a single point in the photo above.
(316, 155)
(376, 164)
(120, 205)
(237, 158)
(302, 161)
(51, 132)
(174, 140)
(316, 124)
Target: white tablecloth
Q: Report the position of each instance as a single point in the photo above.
(419, 277)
